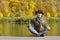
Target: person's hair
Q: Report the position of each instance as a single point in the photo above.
(39, 12)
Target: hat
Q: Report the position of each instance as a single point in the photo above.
(39, 12)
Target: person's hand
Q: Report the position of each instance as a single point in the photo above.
(48, 28)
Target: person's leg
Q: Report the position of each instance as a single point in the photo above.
(35, 35)
(44, 31)
(42, 35)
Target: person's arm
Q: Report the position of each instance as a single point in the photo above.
(46, 28)
(44, 23)
(31, 28)
(43, 31)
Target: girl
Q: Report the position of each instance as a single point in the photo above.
(38, 26)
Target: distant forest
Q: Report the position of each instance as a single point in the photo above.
(26, 8)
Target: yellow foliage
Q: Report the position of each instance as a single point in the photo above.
(29, 6)
(1, 14)
(14, 0)
(54, 9)
(48, 14)
(32, 4)
(55, 14)
(13, 8)
(53, 0)
(6, 15)
(30, 10)
(29, 13)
